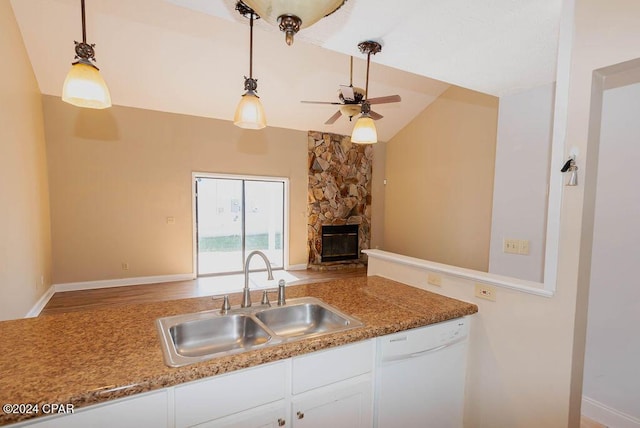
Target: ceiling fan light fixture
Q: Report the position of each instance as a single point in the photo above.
(364, 131)
(84, 86)
(350, 110)
(293, 15)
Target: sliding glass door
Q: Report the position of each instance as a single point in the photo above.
(235, 216)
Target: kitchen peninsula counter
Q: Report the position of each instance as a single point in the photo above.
(87, 357)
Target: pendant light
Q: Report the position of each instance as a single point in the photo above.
(364, 131)
(84, 86)
(249, 113)
(292, 15)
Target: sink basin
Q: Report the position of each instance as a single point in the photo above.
(220, 334)
(303, 319)
(201, 336)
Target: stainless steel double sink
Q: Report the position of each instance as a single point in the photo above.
(201, 336)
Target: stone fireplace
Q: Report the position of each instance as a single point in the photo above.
(339, 194)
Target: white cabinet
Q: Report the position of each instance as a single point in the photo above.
(273, 415)
(145, 410)
(332, 365)
(333, 388)
(230, 394)
(346, 404)
(330, 388)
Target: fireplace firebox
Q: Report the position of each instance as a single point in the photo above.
(339, 242)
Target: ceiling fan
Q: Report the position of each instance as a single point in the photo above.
(351, 99)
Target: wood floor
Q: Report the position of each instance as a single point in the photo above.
(70, 301)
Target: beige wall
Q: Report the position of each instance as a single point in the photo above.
(25, 245)
(439, 172)
(606, 33)
(519, 352)
(116, 174)
(377, 194)
(527, 352)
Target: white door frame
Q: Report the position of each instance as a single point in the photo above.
(194, 241)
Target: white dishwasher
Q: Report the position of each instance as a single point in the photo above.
(420, 376)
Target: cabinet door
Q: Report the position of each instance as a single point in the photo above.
(139, 411)
(333, 365)
(269, 416)
(229, 394)
(346, 404)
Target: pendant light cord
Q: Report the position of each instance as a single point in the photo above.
(250, 46)
(366, 85)
(84, 23)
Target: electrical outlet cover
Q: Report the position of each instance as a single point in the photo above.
(487, 292)
(434, 279)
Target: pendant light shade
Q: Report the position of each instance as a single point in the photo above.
(249, 113)
(292, 15)
(364, 131)
(84, 86)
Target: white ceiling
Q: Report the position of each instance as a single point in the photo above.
(190, 56)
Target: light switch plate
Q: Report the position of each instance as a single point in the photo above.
(515, 246)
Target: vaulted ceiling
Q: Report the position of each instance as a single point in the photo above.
(190, 56)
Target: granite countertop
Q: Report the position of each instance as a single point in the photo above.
(92, 356)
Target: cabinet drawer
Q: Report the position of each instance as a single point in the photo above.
(148, 409)
(223, 395)
(332, 365)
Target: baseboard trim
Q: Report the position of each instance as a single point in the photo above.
(297, 267)
(41, 303)
(121, 282)
(607, 415)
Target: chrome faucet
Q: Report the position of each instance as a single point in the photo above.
(246, 297)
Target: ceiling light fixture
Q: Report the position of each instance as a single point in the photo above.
(292, 15)
(84, 86)
(249, 113)
(364, 131)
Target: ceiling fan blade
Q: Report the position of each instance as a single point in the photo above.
(347, 93)
(321, 102)
(375, 116)
(333, 118)
(385, 100)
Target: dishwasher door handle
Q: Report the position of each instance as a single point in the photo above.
(425, 352)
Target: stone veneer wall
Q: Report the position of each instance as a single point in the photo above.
(339, 189)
